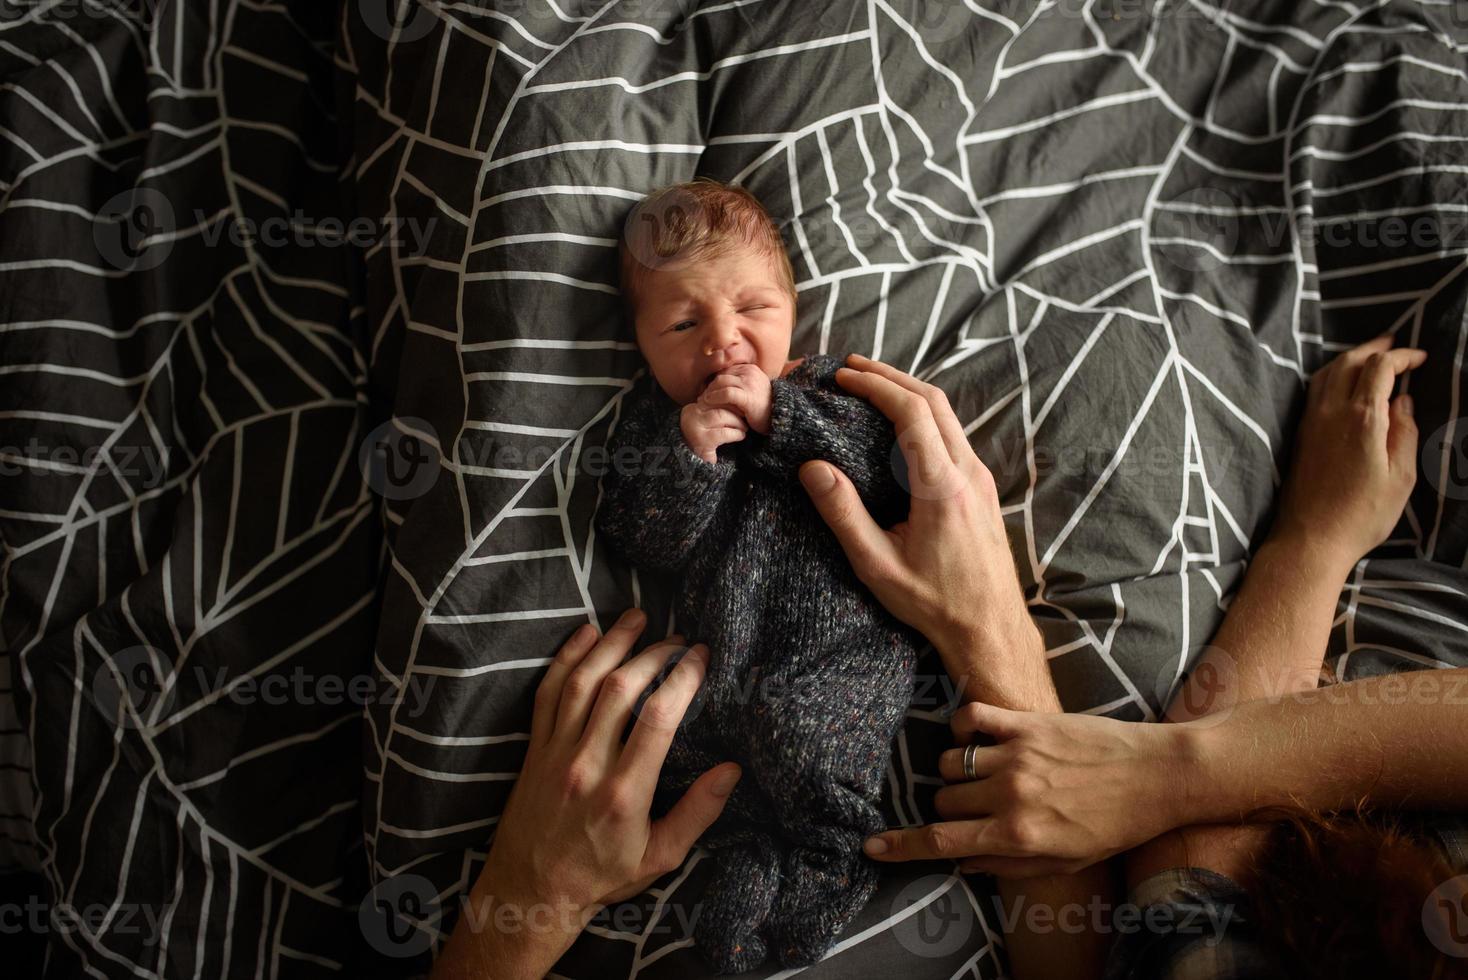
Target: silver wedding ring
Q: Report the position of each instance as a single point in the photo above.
(968, 760)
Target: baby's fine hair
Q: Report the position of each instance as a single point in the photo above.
(693, 220)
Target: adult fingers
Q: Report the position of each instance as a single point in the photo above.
(579, 689)
(951, 839)
(657, 720)
(621, 689)
(1379, 373)
(948, 424)
(673, 836)
(967, 800)
(931, 471)
(988, 759)
(1346, 366)
(867, 546)
(1401, 439)
(975, 718)
(548, 692)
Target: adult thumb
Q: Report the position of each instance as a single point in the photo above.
(840, 506)
(673, 836)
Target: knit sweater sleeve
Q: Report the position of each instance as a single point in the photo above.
(812, 417)
(658, 497)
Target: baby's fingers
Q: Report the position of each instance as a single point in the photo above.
(728, 395)
(714, 417)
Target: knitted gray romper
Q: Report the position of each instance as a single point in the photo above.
(809, 676)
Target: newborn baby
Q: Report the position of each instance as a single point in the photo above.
(809, 677)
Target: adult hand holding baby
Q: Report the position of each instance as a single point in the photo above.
(947, 570)
(577, 833)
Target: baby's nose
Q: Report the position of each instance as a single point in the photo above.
(721, 344)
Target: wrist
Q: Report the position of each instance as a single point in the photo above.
(1218, 780)
(999, 661)
(1191, 754)
(523, 934)
(1313, 554)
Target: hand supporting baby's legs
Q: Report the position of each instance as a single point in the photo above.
(821, 753)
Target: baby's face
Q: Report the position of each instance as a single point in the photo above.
(703, 317)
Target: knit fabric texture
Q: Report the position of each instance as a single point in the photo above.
(809, 676)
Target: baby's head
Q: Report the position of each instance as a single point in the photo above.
(707, 285)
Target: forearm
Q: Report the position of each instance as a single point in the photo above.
(995, 653)
(497, 938)
(1273, 638)
(1002, 662)
(1272, 642)
(1396, 740)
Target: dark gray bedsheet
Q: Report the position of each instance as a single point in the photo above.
(1118, 235)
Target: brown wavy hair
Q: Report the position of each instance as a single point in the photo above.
(1341, 895)
(698, 218)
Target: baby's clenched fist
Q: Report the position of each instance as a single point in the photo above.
(706, 428)
(745, 389)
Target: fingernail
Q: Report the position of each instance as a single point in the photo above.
(817, 478)
(724, 785)
(875, 845)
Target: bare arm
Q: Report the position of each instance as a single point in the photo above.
(948, 572)
(1065, 791)
(1354, 466)
(1397, 740)
(1026, 686)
